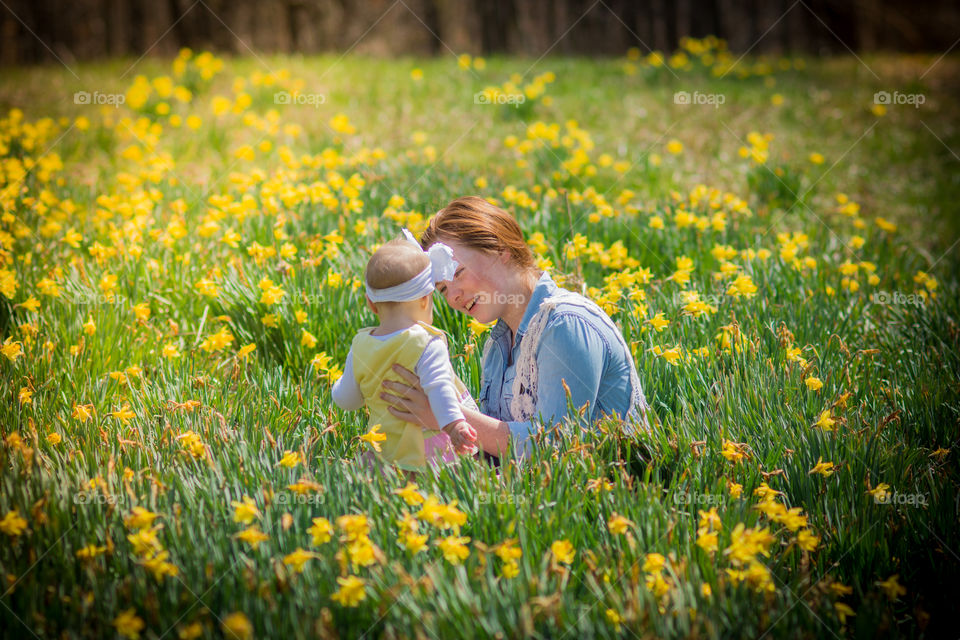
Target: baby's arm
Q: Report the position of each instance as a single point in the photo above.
(346, 392)
(434, 372)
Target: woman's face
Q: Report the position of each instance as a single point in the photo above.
(475, 288)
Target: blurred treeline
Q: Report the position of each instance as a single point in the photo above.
(34, 31)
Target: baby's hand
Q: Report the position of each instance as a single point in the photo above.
(462, 436)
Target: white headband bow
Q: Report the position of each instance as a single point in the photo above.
(442, 267)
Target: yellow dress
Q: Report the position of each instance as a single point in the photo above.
(372, 362)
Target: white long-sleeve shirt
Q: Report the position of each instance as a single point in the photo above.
(435, 374)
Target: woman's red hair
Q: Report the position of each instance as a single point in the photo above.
(476, 224)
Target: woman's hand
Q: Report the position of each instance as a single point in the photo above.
(407, 399)
(410, 404)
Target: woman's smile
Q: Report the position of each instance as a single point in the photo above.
(485, 286)
(468, 289)
(473, 305)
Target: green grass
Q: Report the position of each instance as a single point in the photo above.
(898, 361)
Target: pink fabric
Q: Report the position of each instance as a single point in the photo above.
(438, 449)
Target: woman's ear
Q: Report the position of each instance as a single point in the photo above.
(425, 301)
(371, 305)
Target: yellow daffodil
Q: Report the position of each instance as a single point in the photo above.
(124, 414)
(90, 551)
(618, 525)
(409, 494)
(843, 610)
(454, 549)
(12, 524)
(244, 512)
(307, 339)
(139, 518)
(708, 541)
(129, 624)
(289, 460)
(881, 492)
(252, 536)
(321, 531)
(892, 587)
(414, 543)
(825, 421)
(614, 618)
(237, 625)
(807, 541)
(374, 437)
(354, 526)
(658, 322)
(653, 563)
(298, 559)
(351, 591)
(823, 468)
(563, 551)
(12, 350)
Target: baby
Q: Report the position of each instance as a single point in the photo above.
(400, 280)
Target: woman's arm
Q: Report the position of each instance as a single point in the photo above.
(493, 436)
(409, 403)
(570, 363)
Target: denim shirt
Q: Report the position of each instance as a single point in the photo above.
(576, 348)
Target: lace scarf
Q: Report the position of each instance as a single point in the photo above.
(525, 383)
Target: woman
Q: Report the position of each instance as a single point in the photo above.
(547, 342)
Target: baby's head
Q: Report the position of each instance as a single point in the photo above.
(394, 263)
